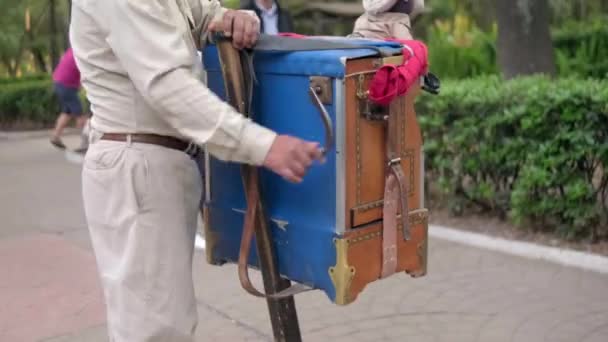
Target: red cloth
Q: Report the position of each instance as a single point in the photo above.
(391, 81)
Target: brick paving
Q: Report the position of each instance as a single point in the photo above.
(49, 293)
(47, 280)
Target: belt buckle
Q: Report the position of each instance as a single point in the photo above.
(192, 149)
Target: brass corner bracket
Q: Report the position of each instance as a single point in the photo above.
(342, 274)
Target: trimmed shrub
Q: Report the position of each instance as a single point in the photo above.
(31, 103)
(27, 78)
(531, 149)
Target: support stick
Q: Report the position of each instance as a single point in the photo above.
(283, 316)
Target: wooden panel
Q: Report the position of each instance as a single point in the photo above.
(365, 251)
(353, 182)
(366, 147)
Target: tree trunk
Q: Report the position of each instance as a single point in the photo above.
(36, 52)
(67, 25)
(53, 34)
(524, 41)
(8, 65)
(39, 59)
(484, 12)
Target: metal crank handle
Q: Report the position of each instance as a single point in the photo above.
(329, 131)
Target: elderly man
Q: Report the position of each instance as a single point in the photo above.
(141, 186)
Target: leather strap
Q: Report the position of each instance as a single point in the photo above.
(251, 216)
(166, 141)
(240, 91)
(395, 192)
(389, 222)
(405, 222)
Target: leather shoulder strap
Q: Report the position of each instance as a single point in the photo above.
(238, 80)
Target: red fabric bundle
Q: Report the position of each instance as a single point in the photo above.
(391, 81)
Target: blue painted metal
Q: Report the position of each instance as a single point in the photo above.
(304, 246)
(307, 63)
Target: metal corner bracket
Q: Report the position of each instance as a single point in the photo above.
(342, 274)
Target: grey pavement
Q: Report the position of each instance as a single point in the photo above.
(50, 293)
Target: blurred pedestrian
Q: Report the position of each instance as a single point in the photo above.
(66, 84)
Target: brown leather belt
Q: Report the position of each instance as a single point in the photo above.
(189, 148)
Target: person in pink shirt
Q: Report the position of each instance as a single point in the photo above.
(66, 83)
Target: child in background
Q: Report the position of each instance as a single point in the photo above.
(387, 19)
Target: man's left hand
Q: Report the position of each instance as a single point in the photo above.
(242, 26)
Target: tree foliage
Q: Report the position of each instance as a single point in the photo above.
(23, 51)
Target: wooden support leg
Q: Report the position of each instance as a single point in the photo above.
(283, 317)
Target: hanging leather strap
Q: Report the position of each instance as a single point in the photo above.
(395, 188)
(395, 191)
(238, 76)
(253, 217)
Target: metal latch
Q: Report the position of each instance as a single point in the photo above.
(367, 109)
(322, 88)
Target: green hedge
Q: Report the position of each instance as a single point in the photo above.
(27, 78)
(531, 149)
(28, 103)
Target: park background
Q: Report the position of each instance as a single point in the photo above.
(518, 135)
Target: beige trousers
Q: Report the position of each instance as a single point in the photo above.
(141, 203)
(382, 26)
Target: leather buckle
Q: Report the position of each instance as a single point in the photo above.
(394, 161)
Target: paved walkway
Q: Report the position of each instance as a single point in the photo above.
(49, 289)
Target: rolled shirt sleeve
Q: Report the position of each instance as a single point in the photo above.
(155, 52)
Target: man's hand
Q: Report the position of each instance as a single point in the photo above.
(242, 26)
(291, 157)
